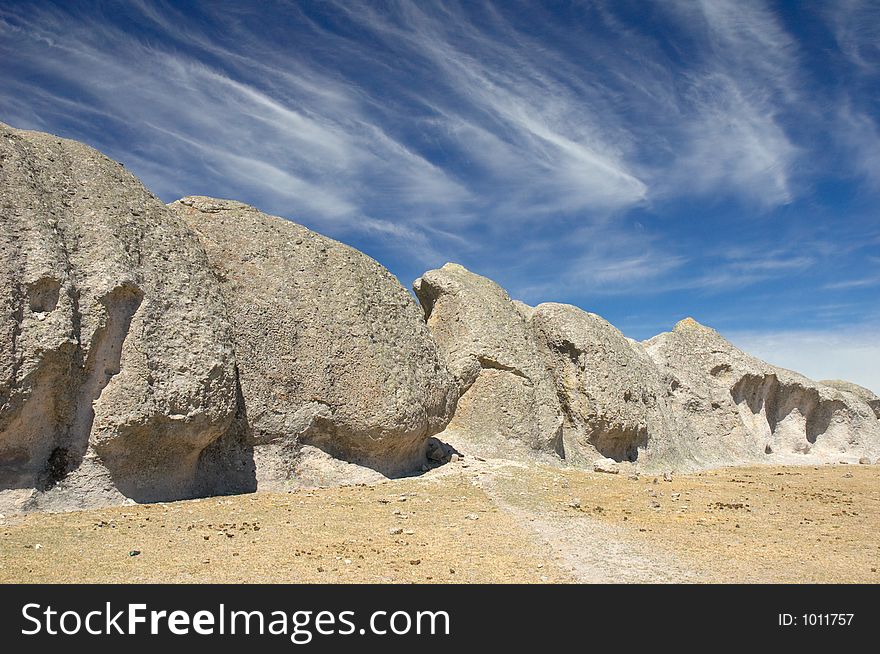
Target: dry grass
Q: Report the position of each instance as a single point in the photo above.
(792, 524)
(761, 524)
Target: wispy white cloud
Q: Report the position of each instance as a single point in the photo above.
(590, 119)
(859, 134)
(746, 73)
(309, 149)
(847, 284)
(857, 32)
(491, 133)
(508, 112)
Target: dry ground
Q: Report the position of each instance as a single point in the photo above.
(477, 521)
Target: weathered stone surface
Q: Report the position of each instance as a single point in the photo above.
(611, 392)
(116, 365)
(860, 392)
(150, 353)
(743, 409)
(508, 405)
(332, 351)
(683, 400)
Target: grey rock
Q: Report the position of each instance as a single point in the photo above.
(332, 351)
(611, 392)
(860, 392)
(508, 403)
(439, 452)
(746, 410)
(606, 465)
(116, 359)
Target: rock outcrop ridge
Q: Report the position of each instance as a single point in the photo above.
(682, 400)
(744, 409)
(152, 352)
(508, 402)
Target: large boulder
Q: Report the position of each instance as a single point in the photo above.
(611, 392)
(332, 352)
(745, 410)
(116, 362)
(508, 406)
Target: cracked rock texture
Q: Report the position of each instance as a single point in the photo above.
(116, 363)
(332, 351)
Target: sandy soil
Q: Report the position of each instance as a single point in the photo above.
(476, 521)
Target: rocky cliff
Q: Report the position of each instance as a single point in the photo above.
(555, 380)
(152, 353)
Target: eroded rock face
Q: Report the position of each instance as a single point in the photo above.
(611, 392)
(154, 353)
(556, 380)
(747, 410)
(860, 392)
(116, 362)
(332, 351)
(508, 404)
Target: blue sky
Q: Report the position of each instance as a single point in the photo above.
(645, 161)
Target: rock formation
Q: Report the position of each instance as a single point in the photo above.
(744, 410)
(134, 366)
(611, 393)
(151, 353)
(508, 405)
(332, 351)
(556, 379)
(116, 364)
(860, 392)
